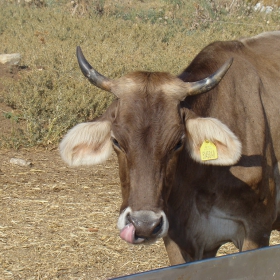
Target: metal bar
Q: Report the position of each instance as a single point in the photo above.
(260, 264)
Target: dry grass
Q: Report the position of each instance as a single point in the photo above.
(117, 37)
(60, 223)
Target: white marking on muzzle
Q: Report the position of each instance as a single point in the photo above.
(122, 221)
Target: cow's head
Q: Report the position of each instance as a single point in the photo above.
(149, 130)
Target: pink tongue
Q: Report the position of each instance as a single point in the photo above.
(127, 233)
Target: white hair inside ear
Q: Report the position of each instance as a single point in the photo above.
(228, 146)
(87, 143)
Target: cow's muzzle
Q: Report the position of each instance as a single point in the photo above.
(142, 226)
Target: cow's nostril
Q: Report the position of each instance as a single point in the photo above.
(146, 225)
(158, 226)
(128, 219)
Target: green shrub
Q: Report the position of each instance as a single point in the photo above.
(51, 94)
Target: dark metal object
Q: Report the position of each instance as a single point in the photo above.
(261, 264)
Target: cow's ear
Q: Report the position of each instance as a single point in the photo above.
(87, 143)
(212, 142)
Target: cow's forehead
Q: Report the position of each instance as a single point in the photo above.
(142, 83)
(145, 111)
(145, 96)
(148, 120)
(147, 108)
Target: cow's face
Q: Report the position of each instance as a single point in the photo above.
(148, 130)
(147, 135)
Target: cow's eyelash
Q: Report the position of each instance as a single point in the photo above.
(178, 145)
(115, 142)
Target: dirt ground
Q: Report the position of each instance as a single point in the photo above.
(58, 222)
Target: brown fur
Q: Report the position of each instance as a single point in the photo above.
(206, 204)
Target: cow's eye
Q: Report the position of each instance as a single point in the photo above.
(178, 145)
(115, 142)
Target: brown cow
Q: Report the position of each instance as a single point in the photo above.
(198, 158)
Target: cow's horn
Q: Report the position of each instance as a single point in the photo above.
(94, 77)
(208, 83)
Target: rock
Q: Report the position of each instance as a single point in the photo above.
(263, 9)
(10, 59)
(19, 161)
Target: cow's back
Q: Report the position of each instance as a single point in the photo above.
(264, 53)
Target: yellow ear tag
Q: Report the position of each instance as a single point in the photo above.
(208, 151)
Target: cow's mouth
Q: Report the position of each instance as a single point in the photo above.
(128, 234)
(142, 226)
